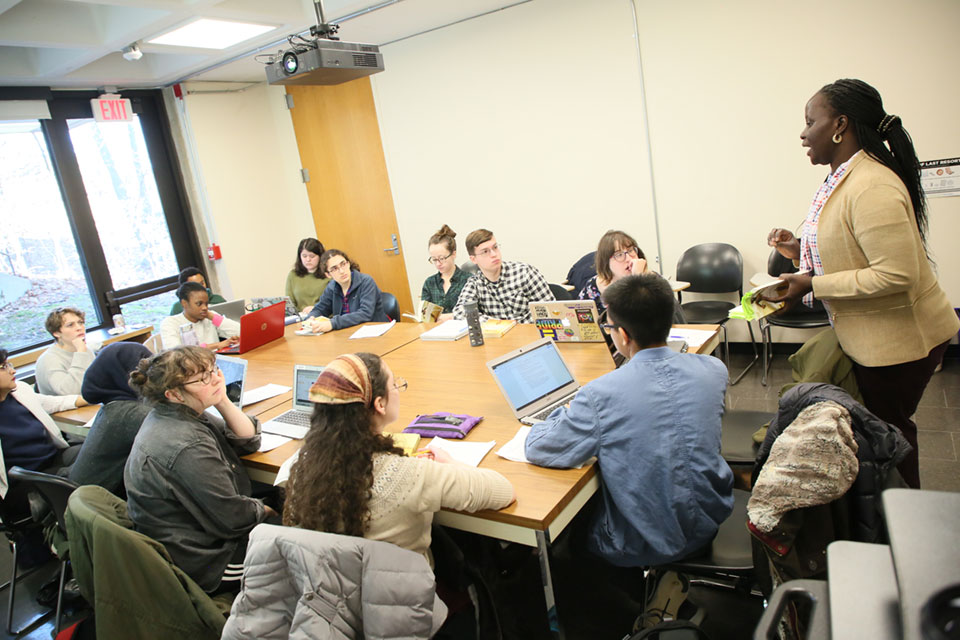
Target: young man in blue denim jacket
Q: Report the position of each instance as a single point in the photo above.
(654, 427)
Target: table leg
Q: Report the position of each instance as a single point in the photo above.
(543, 551)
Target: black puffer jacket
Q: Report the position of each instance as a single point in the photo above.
(881, 448)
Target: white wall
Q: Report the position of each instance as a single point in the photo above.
(529, 121)
(523, 123)
(250, 171)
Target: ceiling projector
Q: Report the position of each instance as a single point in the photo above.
(322, 61)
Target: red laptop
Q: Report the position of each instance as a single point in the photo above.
(259, 328)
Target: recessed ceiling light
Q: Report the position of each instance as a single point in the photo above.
(206, 33)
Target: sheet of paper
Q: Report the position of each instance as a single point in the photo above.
(693, 337)
(283, 473)
(262, 393)
(270, 441)
(283, 429)
(373, 330)
(470, 453)
(513, 450)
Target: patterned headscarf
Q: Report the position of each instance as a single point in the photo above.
(344, 381)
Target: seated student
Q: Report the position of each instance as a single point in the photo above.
(306, 282)
(60, 368)
(443, 288)
(212, 330)
(351, 479)
(502, 289)
(654, 427)
(111, 435)
(617, 256)
(29, 438)
(186, 486)
(192, 274)
(351, 299)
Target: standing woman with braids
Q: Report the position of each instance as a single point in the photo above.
(863, 253)
(350, 479)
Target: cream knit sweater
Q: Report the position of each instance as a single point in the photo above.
(408, 491)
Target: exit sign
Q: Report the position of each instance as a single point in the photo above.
(111, 108)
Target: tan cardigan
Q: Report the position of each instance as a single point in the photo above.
(408, 491)
(880, 290)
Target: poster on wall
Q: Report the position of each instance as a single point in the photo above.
(940, 178)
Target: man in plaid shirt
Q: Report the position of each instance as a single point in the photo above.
(502, 289)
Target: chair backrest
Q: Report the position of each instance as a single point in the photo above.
(714, 267)
(560, 292)
(777, 264)
(470, 267)
(54, 490)
(390, 305)
(582, 270)
(153, 343)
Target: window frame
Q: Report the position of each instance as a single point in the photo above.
(149, 106)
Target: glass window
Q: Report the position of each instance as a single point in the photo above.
(149, 311)
(39, 263)
(122, 192)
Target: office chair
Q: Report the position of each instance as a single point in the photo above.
(17, 526)
(729, 561)
(470, 267)
(736, 437)
(581, 271)
(390, 305)
(799, 317)
(714, 267)
(55, 491)
(560, 292)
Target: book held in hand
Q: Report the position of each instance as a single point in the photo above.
(426, 312)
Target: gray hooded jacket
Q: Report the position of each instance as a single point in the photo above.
(308, 585)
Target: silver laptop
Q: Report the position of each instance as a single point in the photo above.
(233, 309)
(296, 422)
(534, 379)
(290, 315)
(235, 376)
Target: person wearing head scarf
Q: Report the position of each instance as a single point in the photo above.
(350, 479)
(105, 450)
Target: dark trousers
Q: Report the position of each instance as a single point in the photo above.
(892, 394)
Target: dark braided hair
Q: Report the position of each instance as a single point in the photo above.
(863, 106)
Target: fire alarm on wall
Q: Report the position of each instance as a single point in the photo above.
(213, 251)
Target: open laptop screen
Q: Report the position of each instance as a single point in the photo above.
(234, 370)
(532, 375)
(304, 377)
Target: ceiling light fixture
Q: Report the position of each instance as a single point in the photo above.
(132, 52)
(206, 33)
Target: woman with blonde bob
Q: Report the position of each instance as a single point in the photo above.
(350, 478)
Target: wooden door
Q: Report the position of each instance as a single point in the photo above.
(349, 190)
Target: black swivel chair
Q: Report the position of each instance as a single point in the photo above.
(714, 267)
(55, 491)
(799, 317)
(390, 305)
(560, 292)
(17, 526)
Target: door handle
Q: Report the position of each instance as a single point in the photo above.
(395, 249)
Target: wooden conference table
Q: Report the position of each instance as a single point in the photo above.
(452, 376)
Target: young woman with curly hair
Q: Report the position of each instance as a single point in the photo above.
(350, 478)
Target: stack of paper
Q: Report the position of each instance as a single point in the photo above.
(449, 330)
(373, 330)
(693, 337)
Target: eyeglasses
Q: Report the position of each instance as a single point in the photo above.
(205, 377)
(490, 250)
(340, 266)
(439, 260)
(608, 328)
(620, 256)
(8, 367)
(399, 384)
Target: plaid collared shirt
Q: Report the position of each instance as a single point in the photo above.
(433, 289)
(509, 297)
(809, 249)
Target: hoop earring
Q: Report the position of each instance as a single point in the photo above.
(837, 138)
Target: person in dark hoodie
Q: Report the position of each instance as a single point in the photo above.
(107, 381)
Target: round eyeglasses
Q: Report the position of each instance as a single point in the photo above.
(439, 260)
(620, 256)
(205, 377)
(400, 384)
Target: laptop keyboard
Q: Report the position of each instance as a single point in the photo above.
(298, 418)
(540, 416)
